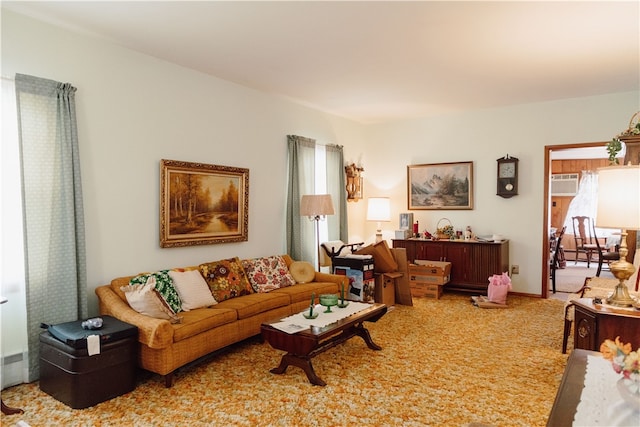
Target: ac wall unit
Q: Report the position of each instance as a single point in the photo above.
(564, 184)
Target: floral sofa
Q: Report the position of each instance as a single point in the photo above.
(183, 314)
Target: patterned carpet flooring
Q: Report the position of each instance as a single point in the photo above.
(443, 363)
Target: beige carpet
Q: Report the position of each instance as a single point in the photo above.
(444, 363)
(571, 278)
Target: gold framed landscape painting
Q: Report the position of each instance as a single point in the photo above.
(202, 204)
(440, 186)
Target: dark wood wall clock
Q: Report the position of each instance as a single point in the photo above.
(507, 177)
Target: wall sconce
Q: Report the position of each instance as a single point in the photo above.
(619, 207)
(316, 207)
(379, 209)
(354, 182)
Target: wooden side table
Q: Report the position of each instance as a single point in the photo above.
(595, 323)
(8, 410)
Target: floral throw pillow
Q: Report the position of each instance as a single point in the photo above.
(268, 273)
(164, 286)
(226, 278)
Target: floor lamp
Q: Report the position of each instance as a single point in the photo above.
(378, 209)
(316, 207)
(619, 207)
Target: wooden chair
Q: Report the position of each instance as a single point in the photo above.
(336, 248)
(603, 255)
(594, 287)
(554, 259)
(582, 233)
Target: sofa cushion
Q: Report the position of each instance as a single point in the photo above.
(383, 260)
(226, 278)
(303, 291)
(302, 271)
(192, 289)
(267, 273)
(145, 299)
(164, 286)
(194, 322)
(250, 305)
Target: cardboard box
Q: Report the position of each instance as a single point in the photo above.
(403, 234)
(427, 290)
(360, 288)
(430, 272)
(362, 263)
(385, 288)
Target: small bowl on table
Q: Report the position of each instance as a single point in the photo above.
(328, 300)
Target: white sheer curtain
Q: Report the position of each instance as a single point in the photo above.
(585, 203)
(13, 328)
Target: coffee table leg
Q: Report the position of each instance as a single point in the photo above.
(302, 363)
(363, 333)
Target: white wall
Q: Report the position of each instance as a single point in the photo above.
(482, 137)
(134, 110)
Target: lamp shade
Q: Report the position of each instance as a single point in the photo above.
(316, 205)
(379, 209)
(619, 197)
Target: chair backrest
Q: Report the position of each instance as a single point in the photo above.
(336, 248)
(611, 254)
(583, 229)
(595, 237)
(556, 248)
(330, 249)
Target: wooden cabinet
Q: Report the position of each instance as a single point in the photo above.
(595, 323)
(472, 263)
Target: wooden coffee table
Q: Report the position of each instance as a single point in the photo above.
(303, 346)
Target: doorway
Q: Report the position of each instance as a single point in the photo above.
(578, 156)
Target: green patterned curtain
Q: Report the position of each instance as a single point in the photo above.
(338, 224)
(53, 218)
(301, 236)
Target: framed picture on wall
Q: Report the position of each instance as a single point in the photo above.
(440, 186)
(202, 204)
(406, 221)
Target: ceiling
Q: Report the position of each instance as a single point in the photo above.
(374, 61)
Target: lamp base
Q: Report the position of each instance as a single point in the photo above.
(621, 297)
(622, 270)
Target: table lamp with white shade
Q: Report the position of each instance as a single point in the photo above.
(379, 209)
(316, 207)
(619, 207)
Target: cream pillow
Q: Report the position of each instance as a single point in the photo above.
(145, 299)
(192, 289)
(302, 271)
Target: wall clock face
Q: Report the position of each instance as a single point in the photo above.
(507, 170)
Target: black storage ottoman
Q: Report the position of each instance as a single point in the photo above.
(70, 375)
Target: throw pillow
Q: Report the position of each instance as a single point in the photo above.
(302, 271)
(164, 286)
(226, 278)
(383, 260)
(192, 289)
(268, 273)
(145, 299)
